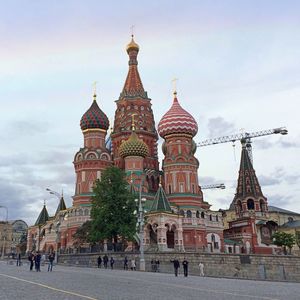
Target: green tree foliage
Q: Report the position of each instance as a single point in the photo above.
(284, 240)
(113, 208)
(82, 233)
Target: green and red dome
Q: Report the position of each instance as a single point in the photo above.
(94, 118)
(133, 147)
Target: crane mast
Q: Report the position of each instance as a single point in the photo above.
(244, 137)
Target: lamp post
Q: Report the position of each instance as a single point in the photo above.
(57, 225)
(4, 230)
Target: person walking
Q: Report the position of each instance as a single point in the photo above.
(37, 260)
(51, 259)
(201, 269)
(157, 265)
(31, 260)
(105, 261)
(185, 265)
(99, 261)
(125, 263)
(176, 264)
(19, 259)
(133, 265)
(112, 261)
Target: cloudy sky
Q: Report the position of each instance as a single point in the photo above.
(238, 68)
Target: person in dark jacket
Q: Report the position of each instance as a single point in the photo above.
(176, 264)
(19, 260)
(185, 265)
(105, 261)
(37, 260)
(125, 263)
(51, 257)
(99, 261)
(112, 261)
(31, 260)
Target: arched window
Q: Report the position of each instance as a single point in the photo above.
(262, 205)
(181, 212)
(210, 217)
(213, 238)
(197, 214)
(202, 215)
(170, 190)
(217, 218)
(86, 212)
(250, 204)
(188, 214)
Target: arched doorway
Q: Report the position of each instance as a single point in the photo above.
(170, 236)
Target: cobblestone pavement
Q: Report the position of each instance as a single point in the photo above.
(91, 283)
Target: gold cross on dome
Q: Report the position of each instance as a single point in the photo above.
(132, 30)
(133, 122)
(95, 89)
(174, 82)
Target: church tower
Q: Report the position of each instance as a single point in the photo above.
(134, 100)
(177, 127)
(94, 157)
(249, 199)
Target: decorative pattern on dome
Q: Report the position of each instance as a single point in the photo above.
(133, 147)
(177, 120)
(94, 117)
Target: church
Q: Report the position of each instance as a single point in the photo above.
(178, 217)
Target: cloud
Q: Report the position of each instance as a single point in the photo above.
(218, 127)
(280, 200)
(268, 180)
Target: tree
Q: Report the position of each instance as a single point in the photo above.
(284, 240)
(81, 235)
(112, 214)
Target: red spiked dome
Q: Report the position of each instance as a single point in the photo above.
(177, 120)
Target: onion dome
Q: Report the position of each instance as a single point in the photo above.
(132, 45)
(94, 118)
(133, 147)
(177, 120)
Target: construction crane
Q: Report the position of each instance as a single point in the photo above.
(244, 137)
(213, 186)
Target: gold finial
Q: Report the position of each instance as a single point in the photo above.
(174, 82)
(44, 202)
(95, 90)
(62, 193)
(160, 176)
(133, 122)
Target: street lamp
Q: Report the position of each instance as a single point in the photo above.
(140, 221)
(4, 230)
(57, 225)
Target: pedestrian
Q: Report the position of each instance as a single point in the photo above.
(31, 260)
(99, 261)
(112, 261)
(19, 260)
(176, 264)
(51, 259)
(125, 263)
(201, 268)
(105, 261)
(157, 264)
(185, 264)
(133, 265)
(37, 260)
(153, 265)
(43, 259)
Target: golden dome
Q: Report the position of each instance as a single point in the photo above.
(132, 45)
(133, 147)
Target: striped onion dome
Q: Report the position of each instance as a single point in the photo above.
(133, 147)
(177, 120)
(94, 117)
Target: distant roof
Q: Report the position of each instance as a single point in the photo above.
(291, 224)
(281, 210)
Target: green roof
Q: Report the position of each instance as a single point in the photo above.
(160, 202)
(43, 217)
(61, 205)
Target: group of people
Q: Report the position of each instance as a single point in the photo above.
(106, 260)
(155, 263)
(185, 265)
(35, 259)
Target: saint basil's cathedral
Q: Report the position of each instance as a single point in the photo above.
(178, 218)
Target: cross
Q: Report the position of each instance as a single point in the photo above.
(132, 122)
(95, 88)
(132, 30)
(174, 82)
